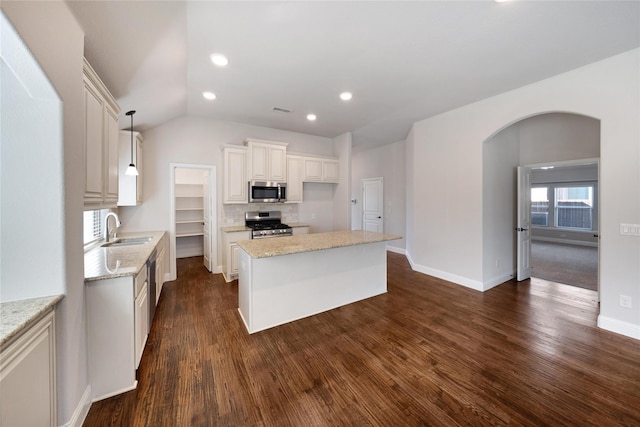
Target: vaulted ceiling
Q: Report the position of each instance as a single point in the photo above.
(403, 61)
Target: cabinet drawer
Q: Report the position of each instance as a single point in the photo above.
(141, 278)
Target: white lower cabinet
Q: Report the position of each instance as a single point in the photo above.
(231, 253)
(117, 325)
(141, 317)
(28, 377)
(235, 258)
(159, 273)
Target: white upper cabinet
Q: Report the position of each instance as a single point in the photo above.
(130, 185)
(236, 181)
(330, 170)
(294, 179)
(93, 108)
(112, 149)
(100, 142)
(320, 169)
(267, 160)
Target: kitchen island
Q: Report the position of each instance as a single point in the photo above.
(288, 278)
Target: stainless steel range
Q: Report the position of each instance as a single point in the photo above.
(266, 224)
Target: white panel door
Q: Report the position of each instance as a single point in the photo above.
(523, 224)
(372, 205)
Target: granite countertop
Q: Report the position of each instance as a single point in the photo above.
(119, 261)
(233, 228)
(18, 315)
(264, 248)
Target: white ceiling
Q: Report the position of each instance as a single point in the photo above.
(403, 61)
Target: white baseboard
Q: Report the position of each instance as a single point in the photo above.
(498, 280)
(82, 409)
(566, 241)
(458, 280)
(631, 330)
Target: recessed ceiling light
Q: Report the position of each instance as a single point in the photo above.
(209, 95)
(311, 117)
(219, 59)
(345, 96)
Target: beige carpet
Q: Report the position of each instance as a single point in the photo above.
(569, 264)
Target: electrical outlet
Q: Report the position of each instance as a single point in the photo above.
(625, 301)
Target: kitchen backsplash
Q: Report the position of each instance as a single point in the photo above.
(234, 214)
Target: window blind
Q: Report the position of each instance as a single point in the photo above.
(92, 225)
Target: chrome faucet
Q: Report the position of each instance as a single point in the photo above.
(106, 225)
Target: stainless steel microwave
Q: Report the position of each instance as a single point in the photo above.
(267, 192)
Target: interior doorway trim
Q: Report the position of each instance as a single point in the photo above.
(588, 161)
(172, 213)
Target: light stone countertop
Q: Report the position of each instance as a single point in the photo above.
(15, 316)
(264, 248)
(234, 228)
(119, 261)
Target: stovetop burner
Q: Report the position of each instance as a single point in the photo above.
(266, 224)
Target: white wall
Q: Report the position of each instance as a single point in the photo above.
(341, 198)
(557, 137)
(388, 162)
(31, 114)
(447, 219)
(500, 156)
(196, 140)
(56, 40)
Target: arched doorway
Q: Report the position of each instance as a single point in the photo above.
(550, 139)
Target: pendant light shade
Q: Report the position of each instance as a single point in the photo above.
(131, 170)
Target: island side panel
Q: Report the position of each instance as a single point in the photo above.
(290, 287)
(244, 288)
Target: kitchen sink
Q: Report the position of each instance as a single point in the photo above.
(130, 241)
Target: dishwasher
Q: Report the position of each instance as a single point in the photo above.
(151, 279)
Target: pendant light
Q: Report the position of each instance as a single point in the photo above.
(131, 170)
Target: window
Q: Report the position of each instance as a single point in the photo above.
(572, 206)
(92, 225)
(540, 206)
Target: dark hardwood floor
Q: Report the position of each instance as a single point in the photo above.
(426, 353)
